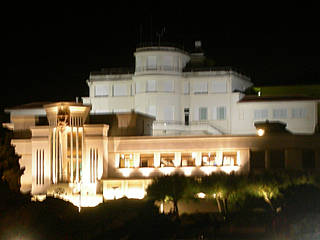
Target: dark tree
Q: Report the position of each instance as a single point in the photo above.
(170, 188)
(10, 171)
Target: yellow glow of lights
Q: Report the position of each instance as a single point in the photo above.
(188, 171)
(260, 132)
(229, 169)
(166, 170)
(146, 171)
(131, 192)
(201, 195)
(208, 170)
(126, 171)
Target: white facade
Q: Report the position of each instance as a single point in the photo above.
(191, 103)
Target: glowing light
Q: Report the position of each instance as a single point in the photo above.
(137, 193)
(260, 132)
(201, 195)
(146, 171)
(214, 195)
(229, 169)
(166, 170)
(126, 171)
(161, 208)
(187, 171)
(208, 169)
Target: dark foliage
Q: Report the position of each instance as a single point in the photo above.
(10, 171)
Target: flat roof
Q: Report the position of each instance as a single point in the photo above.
(255, 98)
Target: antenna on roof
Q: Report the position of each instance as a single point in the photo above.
(163, 30)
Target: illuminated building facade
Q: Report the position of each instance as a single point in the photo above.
(188, 99)
(163, 118)
(67, 156)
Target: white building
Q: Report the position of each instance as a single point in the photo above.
(189, 101)
(68, 155)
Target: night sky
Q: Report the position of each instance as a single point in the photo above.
(51, 50)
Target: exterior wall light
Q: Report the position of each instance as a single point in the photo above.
(260, 132)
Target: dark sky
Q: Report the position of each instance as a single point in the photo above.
(51, 50)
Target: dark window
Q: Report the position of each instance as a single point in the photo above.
(308, 159)
(146, 160)
(257, 159)
(187, 160)
(186, 116)
(277, 159)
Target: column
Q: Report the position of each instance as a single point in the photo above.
(77, 154)
(71, 154)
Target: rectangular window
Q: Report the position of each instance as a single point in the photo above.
(229, 159)
(298, 113)
(126, 160)
(219, 86)
(120, 90)
(280, 113)
(208, 159)
(260, 114)
(200, 87)
(167, 62)
(152, 63)
(188, 160)
(147, 160)
(257, 160)
(277, 159)
(151, 85)
(152, 110)
(221, 113)
(308, 159)
(203, 114)
(168, 85)
(167, 159)
(140, 87)
(186, 116)
(101, 91)
(186, 88)
(168, 113)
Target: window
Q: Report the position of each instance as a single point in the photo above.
(152, 110)
(308, 159)
(168, 85)
(139, 87)
(229, 159)
(221, 113)
(139, 63)
(151, 85)
(167, 159)
(277, 159)
(126, 161)
(167, 63)
(260, 114)
(298, 113)
(186, 88)
(280, 113)
(203, 114)
(200, 87)
(186, 116)
(188, 159)
(120, 90)
(257, 159)
(101, 90)
(152, 62)
(146, 160)
(208, 159)
(168, 113)
(219, 86)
